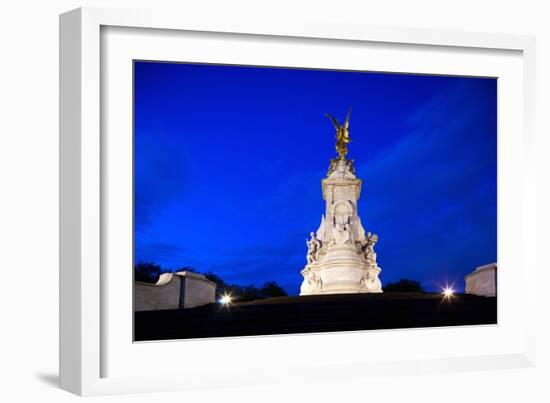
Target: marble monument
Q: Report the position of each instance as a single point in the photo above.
(340, 254)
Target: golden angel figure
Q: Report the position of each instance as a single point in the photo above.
(342, 134)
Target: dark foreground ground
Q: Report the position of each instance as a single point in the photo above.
(325, 313)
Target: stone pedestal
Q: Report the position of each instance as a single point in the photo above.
(341, 257)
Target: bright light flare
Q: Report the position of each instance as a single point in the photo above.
(448, 292)
(225, 300)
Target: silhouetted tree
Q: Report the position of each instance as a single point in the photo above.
(221, 286)
(248, 292)
(147, 272)
(272, 289)
(404, 285)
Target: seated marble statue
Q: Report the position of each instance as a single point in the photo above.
(341, 234)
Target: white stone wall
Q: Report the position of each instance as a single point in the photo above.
(482, 281)
(167, 292)
(198, 291)
(162, 295)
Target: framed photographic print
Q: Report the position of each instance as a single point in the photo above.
(261, 192)
(233, 165)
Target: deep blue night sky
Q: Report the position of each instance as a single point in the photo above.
(229, 162)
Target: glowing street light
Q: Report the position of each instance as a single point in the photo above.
(448, 292)
(225, 300)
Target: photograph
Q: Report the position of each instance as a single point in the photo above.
(284, 200)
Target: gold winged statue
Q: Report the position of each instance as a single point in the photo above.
(342, 135)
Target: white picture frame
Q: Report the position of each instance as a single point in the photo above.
(85, 311)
